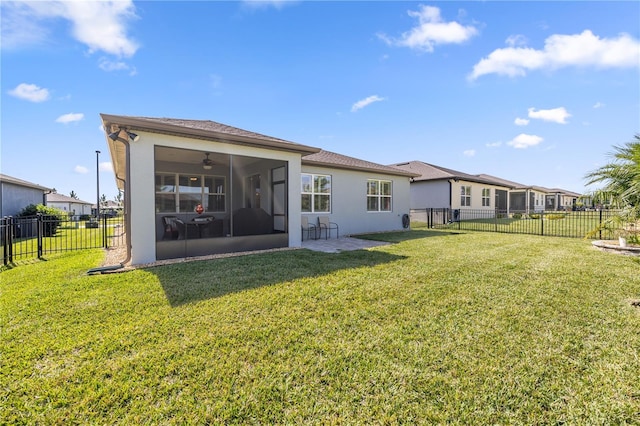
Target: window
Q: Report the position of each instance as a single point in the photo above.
(316, 193)
(465, 196)
(378, 195)
(486, 197)
(182, 193)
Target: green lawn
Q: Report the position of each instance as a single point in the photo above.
(71, 235)
(562, 224)
(469, 328)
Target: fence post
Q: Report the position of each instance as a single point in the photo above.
(40, 226)
(5, 237)
(600, 225)
(10, 240)
(104, 231)
(542, 223)
(430, 216)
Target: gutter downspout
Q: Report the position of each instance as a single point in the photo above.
(127, 215)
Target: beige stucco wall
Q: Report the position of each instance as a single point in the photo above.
(476, 195)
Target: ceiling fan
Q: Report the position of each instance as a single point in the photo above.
(207, 164)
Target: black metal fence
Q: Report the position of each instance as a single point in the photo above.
(574, 224)
(36, 236)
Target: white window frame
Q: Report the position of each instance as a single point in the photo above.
(312, 192)
(176, 191)
(465, 196)
(486, 197)
(379, 196)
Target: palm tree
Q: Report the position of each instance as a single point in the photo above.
(621, 179)
(73, 195)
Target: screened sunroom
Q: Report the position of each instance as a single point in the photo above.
(213, 202)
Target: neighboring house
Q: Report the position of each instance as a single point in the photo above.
(439, 187)
(195, 187)
(522, 198)
(68, 204)
(16, 194)
(532, 198)
(561, 199)
(110, 208)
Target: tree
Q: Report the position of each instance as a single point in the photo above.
(52, 217)
(118, 198)
(621, 179)
(103, 200)
(73, 195)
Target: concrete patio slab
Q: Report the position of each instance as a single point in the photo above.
(336, 245)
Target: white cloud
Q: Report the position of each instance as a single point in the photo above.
(469, 153)
(18, 27)
(556, 115)
(521, 121)
(577, 50)
(523, 141)
(81, 169)
(105, 166)
(70, 118)
(494, 144)
(109, 66)
(100, 25)
(30, 92)
(598, 105)
(365, 102)
(430, 31)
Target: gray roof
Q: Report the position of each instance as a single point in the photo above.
(332, 159)
(429, 172)
(516, 185)
(505, 182)
(60, 198)
(565, 192)
(20, 182)
(202, 129)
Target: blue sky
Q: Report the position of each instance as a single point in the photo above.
(534, 92)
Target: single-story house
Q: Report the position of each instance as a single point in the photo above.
(198, 187)
(438, 187)
(16, 194)
(68, 204)
(522, 198)
(533, 198)
(561, 199)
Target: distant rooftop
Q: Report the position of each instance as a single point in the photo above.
(20, 182)
(427, 172)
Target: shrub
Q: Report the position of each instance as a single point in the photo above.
(555, 216)
(52, 217)
(517, 216)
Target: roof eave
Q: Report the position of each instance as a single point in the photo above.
(132, 123)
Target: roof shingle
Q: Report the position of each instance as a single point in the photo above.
(332, 159)
(425, 172)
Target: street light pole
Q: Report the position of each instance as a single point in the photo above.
(97, 185)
